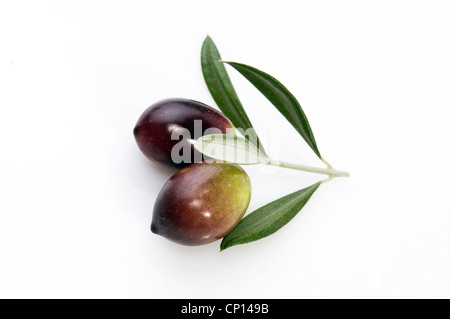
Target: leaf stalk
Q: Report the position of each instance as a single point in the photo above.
(325, 171)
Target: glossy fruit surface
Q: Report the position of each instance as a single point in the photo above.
(169, 123)
(201, 203)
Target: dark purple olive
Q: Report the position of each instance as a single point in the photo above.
(201, 203)
(165, 130)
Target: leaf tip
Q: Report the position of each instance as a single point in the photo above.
(207, 42)
(226, 243)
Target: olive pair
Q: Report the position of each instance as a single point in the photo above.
(203, 201)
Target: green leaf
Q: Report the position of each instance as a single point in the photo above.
(223, 93)
(269, 218)
(230, 148)
(281, 98)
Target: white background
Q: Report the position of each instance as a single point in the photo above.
(77, 195)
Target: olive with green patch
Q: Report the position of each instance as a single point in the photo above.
(201, 203)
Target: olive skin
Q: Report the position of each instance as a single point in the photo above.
(161, 125)
(201, 203)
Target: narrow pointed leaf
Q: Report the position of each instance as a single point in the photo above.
(230, 148)
(269, 218)
(282, 99)
(222, 91)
